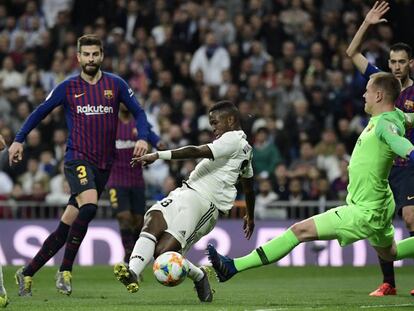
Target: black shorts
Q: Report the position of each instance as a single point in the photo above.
(127, 199)
(82, 175)
(402, 185)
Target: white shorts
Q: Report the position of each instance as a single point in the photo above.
(189, 217)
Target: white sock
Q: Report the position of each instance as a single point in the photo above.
(194, 273)
(143, 252)
(2, 289)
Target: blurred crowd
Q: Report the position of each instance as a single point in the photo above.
(282, 62)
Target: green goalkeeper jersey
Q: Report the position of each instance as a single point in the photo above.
(372, 159)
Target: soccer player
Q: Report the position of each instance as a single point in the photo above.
(91, 103)
(4, 300)
(126, 185)
(402, 175)
(190, 212)
(370, 203)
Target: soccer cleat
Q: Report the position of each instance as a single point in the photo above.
(204, 292)
(64, 282)
(412, 292)
(23, 282)
(385, 289)
(4, 301)
(223, 265)
(126, 277)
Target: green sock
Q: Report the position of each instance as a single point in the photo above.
(269, 252)
(405, 248)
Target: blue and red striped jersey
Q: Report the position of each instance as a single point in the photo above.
(405, 102)
(91, 113)
(122, 174)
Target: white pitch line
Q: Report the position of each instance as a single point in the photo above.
(387, 306)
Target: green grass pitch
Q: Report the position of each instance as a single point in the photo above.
(268, 288)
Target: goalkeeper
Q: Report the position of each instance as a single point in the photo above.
(370, 203)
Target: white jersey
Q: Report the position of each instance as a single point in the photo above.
(215, 179)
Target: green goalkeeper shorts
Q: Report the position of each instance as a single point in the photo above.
(350, 223)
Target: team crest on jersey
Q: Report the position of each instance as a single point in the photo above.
(394, 129)
(409, 104)
(108, 94)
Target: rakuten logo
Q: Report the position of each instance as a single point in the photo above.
(92, 110)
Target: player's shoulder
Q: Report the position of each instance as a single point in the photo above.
(407, 93)
(112, 76)
(68, 81)
(393, 119)
(237, 136)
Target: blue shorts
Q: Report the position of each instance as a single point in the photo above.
(127, 199)
(82, 175)
(402, 185)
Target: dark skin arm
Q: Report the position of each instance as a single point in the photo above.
(188, 152)
(248, 225)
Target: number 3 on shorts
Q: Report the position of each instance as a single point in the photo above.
(81, 169)
(166, 202)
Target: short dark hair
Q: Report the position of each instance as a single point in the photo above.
(226, 106)
(89, 40)
(401, 46)
(388, 83)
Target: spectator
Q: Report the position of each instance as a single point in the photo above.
(263, 199)
(212, 60)
(266, 155)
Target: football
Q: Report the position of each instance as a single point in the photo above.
(170, 268)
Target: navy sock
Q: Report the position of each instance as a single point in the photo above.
(50, 247)
(76, 234)
(387, 268)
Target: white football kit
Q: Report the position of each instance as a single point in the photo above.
(191, 211)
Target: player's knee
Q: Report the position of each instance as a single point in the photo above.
(88, 211)
(301, 231)
(124, 221)
(408, 216)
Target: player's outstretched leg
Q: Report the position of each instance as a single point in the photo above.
(223, 265)
(23, 282)
(126, 277)
(64, 282)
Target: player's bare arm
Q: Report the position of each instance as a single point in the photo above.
(188, 152)
(15, 153)
(374, 16)
(248, 189)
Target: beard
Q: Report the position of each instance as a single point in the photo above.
(91, 69)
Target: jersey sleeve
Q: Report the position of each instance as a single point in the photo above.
(371, 69)
(153, 138)
(225, 146)
(55, 98)
(389, 133)
(126, 95)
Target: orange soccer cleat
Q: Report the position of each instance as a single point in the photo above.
(384, 289)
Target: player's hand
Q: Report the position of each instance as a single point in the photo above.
(2, 143)
(15, 153)
(141, 148)
(374, 16)
(146, 159)
(248, 226)
(161, 145)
